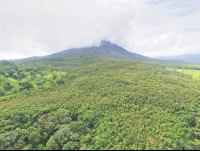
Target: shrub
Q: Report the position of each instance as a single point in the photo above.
(16, 76)
(11, 72)
(60, 81)
(8, 86)
(22, 74)
(2, 72)
(54, 76)
(25, 85)
(35, 70)
(29, 69)
(2, 93)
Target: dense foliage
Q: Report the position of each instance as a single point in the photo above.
(14, 78)
(68, 63)
(176, 64)
(106, 105)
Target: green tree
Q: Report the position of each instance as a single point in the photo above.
(75, 137)
(2, 93)
(25, 85)
(51, 144)
(11, 72)
(54, 76)
(15, 138)
(27, 147)
(189, 119)
(29, 69)
(60, 81)
(2, 72)
(34, 137)
(63, 135)
(62, 116)
(22, 74)
(35, 70)
(78, 126)
(70, 146)
(7, 86)
(84, 147)
(16, 76)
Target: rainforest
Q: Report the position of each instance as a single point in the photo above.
(99, 99)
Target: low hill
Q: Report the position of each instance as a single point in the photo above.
(68, 63)
(107, 105)
(176, 64)
(24, 59)
(187, 58)
(74, 61)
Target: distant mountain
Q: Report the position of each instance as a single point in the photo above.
(105, 50)
(24, 59)
(187, 58)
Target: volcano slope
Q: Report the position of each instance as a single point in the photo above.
(107, 105)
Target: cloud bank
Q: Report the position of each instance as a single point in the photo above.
(149, 27)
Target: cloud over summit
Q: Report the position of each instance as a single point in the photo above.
(150, 27)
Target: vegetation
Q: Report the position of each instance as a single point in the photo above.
(176, 64)
(186, 58)
(15, 78)
(68, 63)
(193, 73)
(104, 105)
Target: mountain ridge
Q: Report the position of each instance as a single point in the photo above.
(187, 58)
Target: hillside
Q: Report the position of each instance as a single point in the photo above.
(24, 59)
(187, 58)
(15, 79)
(107, 105)
(74, 61)
(68, 63)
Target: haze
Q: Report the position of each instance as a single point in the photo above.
(151, 28)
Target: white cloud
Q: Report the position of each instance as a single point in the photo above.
(149, 27)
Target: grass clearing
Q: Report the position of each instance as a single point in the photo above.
(194, 73)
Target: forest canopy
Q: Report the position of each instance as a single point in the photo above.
(105, 105)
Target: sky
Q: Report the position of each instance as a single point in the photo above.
(152, 28)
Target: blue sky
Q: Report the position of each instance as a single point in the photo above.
(152, 28)
(183, 7)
